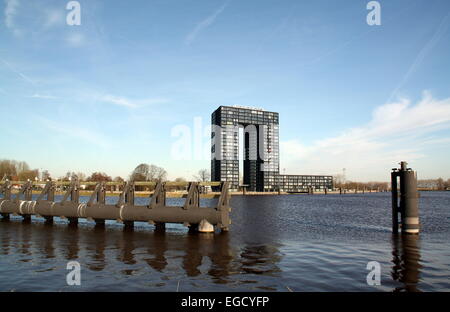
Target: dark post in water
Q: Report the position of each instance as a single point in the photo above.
(408, 209)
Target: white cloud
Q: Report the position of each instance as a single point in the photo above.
(10, 12)
(130, 103)
(77, 132)
(43, 96)
(53, 17)
(75, 39)
(396, 132)
(204, 24)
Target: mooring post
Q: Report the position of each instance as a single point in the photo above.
(129, 200)
(74, 198)
(326, 191)
(395, 208)
(408, 200)
(409, 208)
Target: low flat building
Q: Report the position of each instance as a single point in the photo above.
(260, 152)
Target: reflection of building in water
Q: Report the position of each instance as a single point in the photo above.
(406, 258)
(195, 246)
(200, 253)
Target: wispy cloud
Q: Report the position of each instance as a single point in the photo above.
(204, 24)
(53, 17)
(131, 103)
(438, 34)
(21, 75)
(82, 133)
(75, 39)
(43, 96)
(10, 12)
(396, 132)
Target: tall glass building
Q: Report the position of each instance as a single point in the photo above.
(260, 152)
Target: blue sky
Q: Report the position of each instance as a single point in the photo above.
(106, 95)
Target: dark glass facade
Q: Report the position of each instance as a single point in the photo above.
(260, 149)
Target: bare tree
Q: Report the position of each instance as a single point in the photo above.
(440, 184)
(8, 169)
(338, 180)
(80, 175)
(180, 179)
(99, 177)
(118, 179)
(202, 175)
(145, 172)
(45, 176)
(16, 170)
(28, 175)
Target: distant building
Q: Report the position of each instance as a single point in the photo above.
(261, 152)
(427, 184)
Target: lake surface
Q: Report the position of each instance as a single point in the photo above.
(276, 243)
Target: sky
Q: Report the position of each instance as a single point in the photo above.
(112, 92)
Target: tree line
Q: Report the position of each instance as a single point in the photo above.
(431, 184)
(17, 170)
(434, 184)
(20, 171)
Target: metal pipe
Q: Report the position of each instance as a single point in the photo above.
(155, 213)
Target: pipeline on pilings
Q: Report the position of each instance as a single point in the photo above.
(406, 213)
(156, 212)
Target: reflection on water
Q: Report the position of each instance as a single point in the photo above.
(132, 248)
(294, 242)
(406, 257)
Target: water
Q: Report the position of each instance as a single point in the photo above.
(276, 243)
